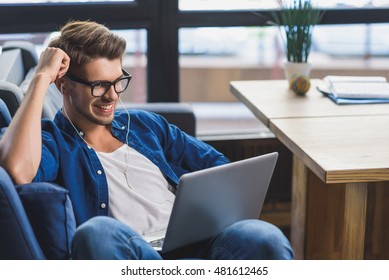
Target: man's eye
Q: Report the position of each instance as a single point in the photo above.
(101, 85)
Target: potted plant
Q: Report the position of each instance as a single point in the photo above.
(297, 21)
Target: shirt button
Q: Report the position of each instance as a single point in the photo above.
(99, 172)
(103, 205)
(81, 133)
(123, 127)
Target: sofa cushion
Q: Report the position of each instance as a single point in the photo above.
(50, 212)
(17, 239)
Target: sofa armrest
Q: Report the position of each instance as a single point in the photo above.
(17, 239)
(12, 96)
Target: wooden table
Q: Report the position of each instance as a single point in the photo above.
(340, 169)
(273, 100)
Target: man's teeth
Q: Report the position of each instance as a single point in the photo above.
(105, 107)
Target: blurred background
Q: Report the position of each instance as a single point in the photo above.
(213, 44)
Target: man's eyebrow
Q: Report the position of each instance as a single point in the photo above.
(105, 81)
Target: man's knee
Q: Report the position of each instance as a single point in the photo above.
(93, 239)
(259, 239)
(269, 239)
(106, 238)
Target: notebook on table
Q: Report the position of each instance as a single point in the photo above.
(209, 200)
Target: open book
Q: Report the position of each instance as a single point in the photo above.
(355, 89)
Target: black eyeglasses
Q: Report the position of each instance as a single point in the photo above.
(99, 88)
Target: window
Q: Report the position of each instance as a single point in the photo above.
(59, 1)
(214, 5)
(210, 57)
(135, 63)
(167, 33)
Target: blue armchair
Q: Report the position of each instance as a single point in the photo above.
(36, 220)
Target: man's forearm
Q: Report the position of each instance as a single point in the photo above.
(21, 145)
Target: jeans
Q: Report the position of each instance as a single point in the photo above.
(105, 238)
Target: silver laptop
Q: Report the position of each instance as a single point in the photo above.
(209, 200)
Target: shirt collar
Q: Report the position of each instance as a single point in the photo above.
(63, 122)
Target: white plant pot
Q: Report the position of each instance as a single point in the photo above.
(296, 69)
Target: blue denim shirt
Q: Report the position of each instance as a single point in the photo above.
(68, 161)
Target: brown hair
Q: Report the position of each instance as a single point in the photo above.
(87, 40)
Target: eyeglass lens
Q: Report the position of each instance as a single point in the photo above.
(100, 89)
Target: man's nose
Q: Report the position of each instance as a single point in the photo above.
(111, 94)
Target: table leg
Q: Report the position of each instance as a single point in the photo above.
(377, 222)
(338, 221)
(366, 227)
(328, 221)
(355, 221)
(299, 202)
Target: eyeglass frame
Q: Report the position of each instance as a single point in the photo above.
(95, 83)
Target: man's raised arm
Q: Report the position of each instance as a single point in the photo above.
(21, 145)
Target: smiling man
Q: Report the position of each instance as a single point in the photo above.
(121, 168)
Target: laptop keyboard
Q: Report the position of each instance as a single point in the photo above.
(157, 243)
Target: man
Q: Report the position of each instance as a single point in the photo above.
(121, 169)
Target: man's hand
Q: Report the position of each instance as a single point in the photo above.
(54, 63)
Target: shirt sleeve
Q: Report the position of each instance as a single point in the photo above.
(48, 168)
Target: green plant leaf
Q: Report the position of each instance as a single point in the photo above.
(298, 21)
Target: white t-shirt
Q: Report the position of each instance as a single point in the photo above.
(139, 194)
